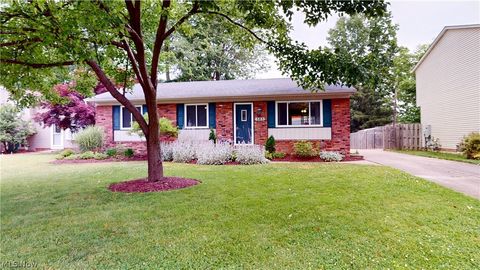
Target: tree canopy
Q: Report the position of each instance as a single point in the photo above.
(72, 113)
(372, 44)
(41, 41)
(215, 51)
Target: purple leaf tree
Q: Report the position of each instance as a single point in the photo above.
(71, 113)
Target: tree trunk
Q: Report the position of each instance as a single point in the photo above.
(155, 165)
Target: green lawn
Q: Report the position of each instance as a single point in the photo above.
(440, 155)
(276, 216)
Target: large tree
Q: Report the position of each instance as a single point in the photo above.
(216, 50)
(109, 41)
(372, 44)
(404, 81)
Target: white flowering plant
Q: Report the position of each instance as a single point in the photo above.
(331, 156)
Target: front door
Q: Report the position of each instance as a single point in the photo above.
(57, 137)
(243, 123)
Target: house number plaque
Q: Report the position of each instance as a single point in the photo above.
(259, 119)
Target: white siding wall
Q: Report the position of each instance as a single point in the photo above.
(448, 86)
(184, 134)
(303, 133)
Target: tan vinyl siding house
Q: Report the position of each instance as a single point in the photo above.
(448, 84)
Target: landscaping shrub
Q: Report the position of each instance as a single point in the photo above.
(167, 128)
(212, 137)
(470, 145)
(183, 151)
(303, 149)
(111, 152)
(87, 155)
(72, 157)
(129, 153)
(250, 154)
(90, 138)
(274, 155)
(165, 125)
(100, 156)
(331, 156)
(166, 149)
(270, 144)
(65, 153)
(214, 154)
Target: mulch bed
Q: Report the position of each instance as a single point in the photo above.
(75, 161)
(293, 158)
(143, 185)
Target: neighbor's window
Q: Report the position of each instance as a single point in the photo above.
(127, 118)
(296, 113)
(196, 115)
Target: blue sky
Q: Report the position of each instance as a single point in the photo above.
(419, 23)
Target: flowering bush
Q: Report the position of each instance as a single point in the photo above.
(183, 151)
(331, 156)
(250, 154)
(214, 154)
(166, 149)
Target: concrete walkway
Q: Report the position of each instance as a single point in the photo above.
(458, 176)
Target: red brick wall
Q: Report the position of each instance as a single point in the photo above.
(168, 111)
(340, 141)
(224, 117)
(260, 127)
(103, 118)
(224, 126)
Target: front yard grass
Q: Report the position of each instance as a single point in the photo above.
(440, 155)
(276, 216)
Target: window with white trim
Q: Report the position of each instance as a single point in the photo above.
(196, 115)
(126, 117)
(299, 113)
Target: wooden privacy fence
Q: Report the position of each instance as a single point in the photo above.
(400, 136)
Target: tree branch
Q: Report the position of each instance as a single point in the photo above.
(37, 65)
(20, 42)
(235, 23)
(194, 10)
(121, 98)
(162, 25)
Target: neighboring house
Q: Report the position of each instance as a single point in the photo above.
(240, 112)
(46, 137)
(448, 84)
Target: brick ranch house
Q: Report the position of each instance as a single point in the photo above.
(240, 111)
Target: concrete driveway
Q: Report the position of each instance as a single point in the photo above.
(458, 176)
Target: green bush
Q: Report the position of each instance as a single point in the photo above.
(87, 155)
(303, 149)
(65, 153)
(129, 153)
(274, 155)
(270, 144)
(212, 137)
(72, 157)
(470, 145)
(100, 156)
(165, 125)
(111, 152)
(90, 139)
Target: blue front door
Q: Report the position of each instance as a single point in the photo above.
(243, 124)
